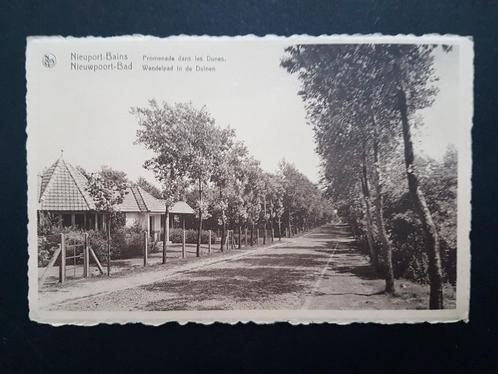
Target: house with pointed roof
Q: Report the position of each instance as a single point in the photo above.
(63, 192)
(140, 206)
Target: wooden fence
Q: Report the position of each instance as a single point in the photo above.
(71, 255)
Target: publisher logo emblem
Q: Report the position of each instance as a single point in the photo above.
(49, 60)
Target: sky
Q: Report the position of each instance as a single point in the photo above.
(87, 114)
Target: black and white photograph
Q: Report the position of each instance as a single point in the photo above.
(201, 179)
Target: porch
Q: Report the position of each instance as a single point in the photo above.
(85, 220)
(154, 223)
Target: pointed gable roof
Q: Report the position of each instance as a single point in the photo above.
(63, 188)
(153, 204)
(139, 200)
(138, 197)
(181, 207)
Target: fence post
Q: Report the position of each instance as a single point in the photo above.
(146, 245)
(62, 266)
(86, 258)
(109, 248)
(183, 244)
(209, 242)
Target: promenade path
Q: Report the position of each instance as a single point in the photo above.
(320, 270)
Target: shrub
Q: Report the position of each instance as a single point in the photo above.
(155, 247)
(97, 240)
(46, 249)
(409, 254)
(126, 242)
(130, 242)
(176, 236)
(48, 244)
(48, 223)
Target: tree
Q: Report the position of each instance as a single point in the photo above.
(83, 171)
(412, 73)
(301, 198)
(274, 198)
(265, 204)
(227, 172)
(107, 188)
(149, 187)
(340, 110)
(237, 206)
(252, 193)
(372, 82)
(278, 202)
(186, 142)
(115, 176)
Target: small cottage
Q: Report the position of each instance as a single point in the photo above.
(140, 206)
(63, 193)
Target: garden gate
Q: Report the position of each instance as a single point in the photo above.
(72, 253)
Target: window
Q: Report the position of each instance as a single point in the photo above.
(66, 220)
(79, 220)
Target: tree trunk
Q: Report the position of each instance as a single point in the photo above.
(252, 234)
(289, 228)
(240, 236)
(272, 226)
(368, 217)
(430, 235)
(198, 248)
(165, 237)
(379, 214)
(265, 221)
(279, 229)
(264, 231)
(368, 212)
(223, 232)
(108, 244)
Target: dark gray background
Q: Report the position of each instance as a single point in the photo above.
(449, 348)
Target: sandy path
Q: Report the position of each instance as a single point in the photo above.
(53, 296)
(320, 270)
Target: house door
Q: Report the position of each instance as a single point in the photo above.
(151, 225)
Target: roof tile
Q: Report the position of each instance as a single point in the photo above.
(63, 188)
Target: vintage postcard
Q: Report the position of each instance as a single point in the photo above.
(233, 179)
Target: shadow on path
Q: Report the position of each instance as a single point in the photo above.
(235, 284)
(365, 272)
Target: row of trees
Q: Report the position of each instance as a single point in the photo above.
(362, 102)
(196, 160)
